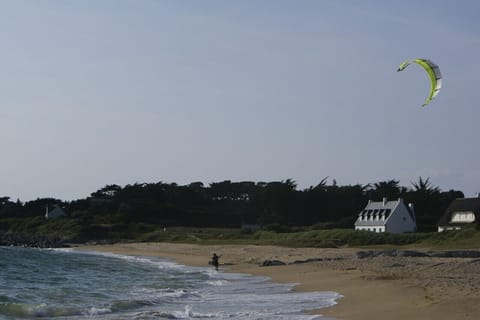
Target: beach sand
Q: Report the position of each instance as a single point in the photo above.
(372, 288)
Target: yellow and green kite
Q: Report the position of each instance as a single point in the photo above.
(433, 72)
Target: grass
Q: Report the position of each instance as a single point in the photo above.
(467, 238)
(77, 231)
(464, 239)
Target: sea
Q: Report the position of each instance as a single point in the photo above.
(72, 284)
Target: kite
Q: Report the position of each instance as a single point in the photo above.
(433, 72)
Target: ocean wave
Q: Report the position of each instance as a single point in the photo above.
(63, 285)
(188, 313)
(217, 283)
(36, 310)
(154, 298)
(160, 263)
(68, 250)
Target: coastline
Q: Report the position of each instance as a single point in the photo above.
(372, 288)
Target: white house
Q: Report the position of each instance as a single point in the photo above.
(387, 216)
(460, 213)
(54, 213)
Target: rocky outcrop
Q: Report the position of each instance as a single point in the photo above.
(414, 253)
(359, 255)
(37, 241)
(316, 260)
(456, 254)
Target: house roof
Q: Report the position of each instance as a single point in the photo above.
(55, 212)
(461, 205)
(380, 206)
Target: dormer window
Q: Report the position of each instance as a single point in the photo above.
(387, 213)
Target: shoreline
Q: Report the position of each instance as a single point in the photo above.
(372, 288)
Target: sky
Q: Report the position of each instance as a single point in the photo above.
(118, 92)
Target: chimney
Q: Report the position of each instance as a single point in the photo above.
(385, 200)
(410, 205)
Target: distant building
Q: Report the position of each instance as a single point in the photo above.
(460, 213)
(387, 216)
(54, 213)
(249, 228)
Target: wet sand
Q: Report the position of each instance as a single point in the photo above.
(373, 288)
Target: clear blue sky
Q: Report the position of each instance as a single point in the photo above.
(102, 92)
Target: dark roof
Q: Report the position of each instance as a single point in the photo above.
(459, 205)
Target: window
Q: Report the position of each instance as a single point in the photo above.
(463, 216)
(387, 212)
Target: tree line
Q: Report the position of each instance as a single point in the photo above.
(230, 204)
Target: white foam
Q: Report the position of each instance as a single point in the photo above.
(60, 249)
(217, 283)
(161, 263)
(188, 314)
(211, 294)
(98, 311)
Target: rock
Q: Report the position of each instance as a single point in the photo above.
(307, 260)
(269, 263)
(367, 254)
(363, 254)
(455, 254)
(412, 253)
(37, 241)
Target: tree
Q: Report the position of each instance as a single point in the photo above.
(4, 201)
(425, 186)
(107, 192)
(388, 189)
(279, 202)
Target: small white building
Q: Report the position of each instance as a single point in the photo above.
(54, 213)
(387, 216)
(459, 213)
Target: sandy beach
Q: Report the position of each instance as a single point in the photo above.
(380, 287)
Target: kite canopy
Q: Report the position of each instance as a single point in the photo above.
(433, 72)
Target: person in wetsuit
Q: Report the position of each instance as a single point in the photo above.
(215, 262)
